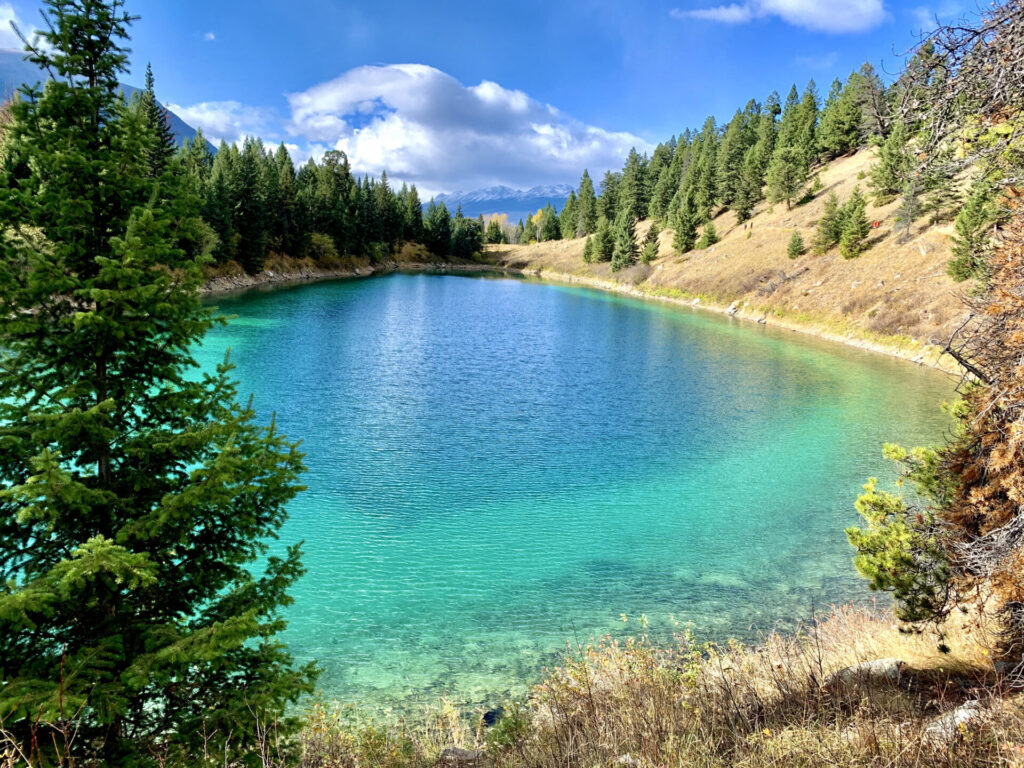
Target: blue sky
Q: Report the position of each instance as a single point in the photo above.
(460, 95)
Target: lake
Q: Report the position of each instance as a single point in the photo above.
(499, 466)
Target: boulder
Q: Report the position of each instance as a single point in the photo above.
(949, 727)
(878, 671)
(454, 757)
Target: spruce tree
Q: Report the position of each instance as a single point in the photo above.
(786, 174)
(549, 225)
(138, 604)
(650, 250)
(494, 233)
(856, 227)
(633, 194)
(587, 202)
(529, 231)
(625, 252)
(604, 241)
(437, 234)
(708, 237)
(830, 225)
(588, 249)
(891, 172)
(569, 218)
(970, 244)
(685, 225)
(608, 203)
(796, 247)
(162, 144)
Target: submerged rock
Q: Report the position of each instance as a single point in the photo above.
(492, 716)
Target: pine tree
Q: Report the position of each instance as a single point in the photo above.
(830, 225)
(971, 242)
(708, 237)
(604, 240)
(549, 226)
(633, 193)
(874, 109)
(839, 131)
(650, 250)
(892, 171)
(786, 174)
(137, 497)
(412, 219)
(588, 249)
(569, 218)
(588, 207)
(909, 209)
(162, 146)
(608, 203)
(685, 225)
(494, 233)
(806, 139)
(529, 231)
(625, 252)
(437, 234)
(856, 227)
(796, 247)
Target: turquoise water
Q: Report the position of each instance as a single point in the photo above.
(498, 466)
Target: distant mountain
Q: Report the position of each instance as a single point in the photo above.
(14, 71)
(516, 203)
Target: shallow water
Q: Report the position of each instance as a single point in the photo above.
(498, 467)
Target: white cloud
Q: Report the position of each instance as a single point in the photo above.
(422, 125)
(209, 37)
(228, 120)
(835, 16)
(8, 37)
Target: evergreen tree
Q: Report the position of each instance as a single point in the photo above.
(587, 201)
(608, 203)
(892, 171)
(624, 252)
(569, 218)
(786, 174)
(685, 225)
(874, 109)
(856, 227)
(604, 240)
(137, 497)
(467, 237)
(518, 233)
(588, 249)
(549, 225)
(437, 234)
(971, 242)
(909, 209)
(162, 144)
(494, 233)
(412, 219)
(830, 225)
(250, 206)
(529, 232)
(650, 250)
(796, 247)
(702, 178)
(633, 194)
(737, 140)
(840, 129)
(708, 237)
(806, 139)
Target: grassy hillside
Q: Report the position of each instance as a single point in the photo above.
(894, 294)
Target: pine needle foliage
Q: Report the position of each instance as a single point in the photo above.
(138, 594)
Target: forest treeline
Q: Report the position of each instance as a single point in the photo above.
(773, 150)
(256, 202)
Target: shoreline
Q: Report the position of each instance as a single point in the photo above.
(920, 353)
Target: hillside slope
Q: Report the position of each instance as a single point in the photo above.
(894, 296)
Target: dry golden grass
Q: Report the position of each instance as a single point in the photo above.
(639, 704)
(894, 293)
